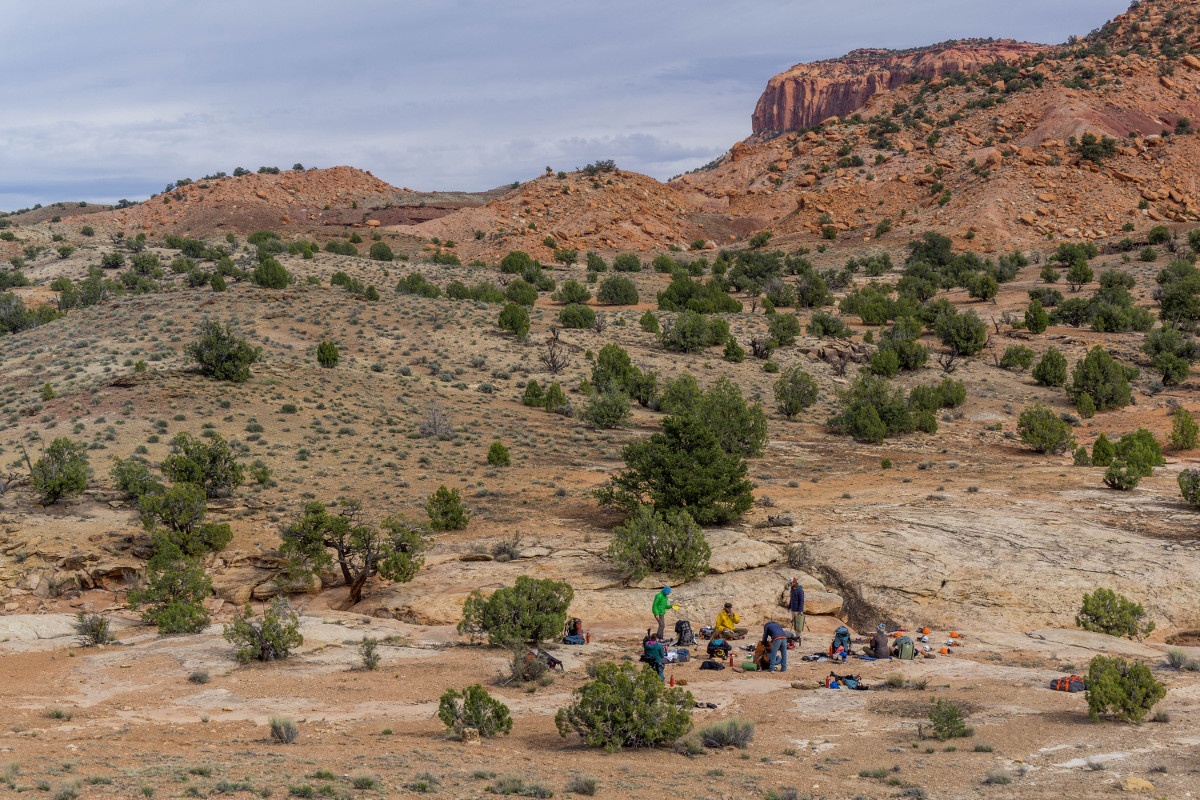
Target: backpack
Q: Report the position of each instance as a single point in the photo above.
(845, 681)
(841, 638)
(683, 632)
(719, 648)
(906, 648)
(574, 639)
(1071, 683)
(715, 665)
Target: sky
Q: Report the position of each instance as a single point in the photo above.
(109, 99)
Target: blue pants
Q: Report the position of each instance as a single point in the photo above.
(779, 653)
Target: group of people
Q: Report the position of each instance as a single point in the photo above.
(772, 647)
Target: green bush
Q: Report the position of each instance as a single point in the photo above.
(1017, 357)
(1041, 429)
(285, 731)
(219, 354)
(685, 294)
(498, 455)
(181, 510)
(595, 262)
(211, 465)
(577, 316)
(734, 352)
(514, 319)
(132, 477)
(572, 291)
(1125, 689)
(1122, 477)
(414, 283)
(533, 610)
(522, 292)
(825, 324)
(667, 542)
(691, 332)
(605, 410)
(783, 329)
(740, 428)
(728, 733)
(1105, 611)
(627, 262)
(617, 290)
(474, 709)
(533, 395)
(626, 707)
(269, 639)
(1189, 486)
(555, 398)
(380, 251)
(649, 322)
(61, 472)
(173, 589)
(1051, 370)
(1036, 318)
(516, 263)
(327, 354)
(871, 410)
(964, 334)
(1103, 378)
(683, 467)
(1102, 452)
(795, 390)
(446, 510)
(93, 630)
(270, 274)
(946, 721)
(1085, 406)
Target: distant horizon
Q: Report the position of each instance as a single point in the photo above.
(116, 102)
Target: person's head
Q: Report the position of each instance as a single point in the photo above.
(666, 590)
(729, 606)
(795, 581)
(881, 627)
(654, 637)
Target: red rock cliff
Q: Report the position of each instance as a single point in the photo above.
(807, 94)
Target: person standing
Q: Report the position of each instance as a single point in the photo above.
(662, 601)
(775, 637)
(796, 606)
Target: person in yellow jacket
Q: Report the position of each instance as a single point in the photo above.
(727, 624)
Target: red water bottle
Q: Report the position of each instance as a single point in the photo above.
(672, 681)
(587, 637)
(731, 658)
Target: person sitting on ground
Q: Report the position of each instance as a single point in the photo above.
(727, 621)
(654, 654)
(879, 646)
(775, 637)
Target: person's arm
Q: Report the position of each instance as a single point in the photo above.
(735, 617)
(801, 599)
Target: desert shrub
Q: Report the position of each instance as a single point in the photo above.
(498, 455)
(1051, 370)
(617, 290)
(1102, 452)
(181, 509)
(474, 709)
(284, 730)
(270, 274)
(327, 354)
(649, 322)
(1105, 611)
(368, 653)
(964, 334)
(532, 395)
(554, 399)
(626, 707)
(572, 291)
(516, 262)
(61, 472)
(825, 324)
(691, 332)
(577, 316)
(211, 465)
(685, 294)
(682, 467)
(514, 319)
(582, 786)
(220, 354)
(1044, 431)
(1189, 486)
(729, 733)
(627, 262)
(1139, 451)
(871, 410)
(1125, 689)
(446, 510)
(522, 292)
(1122, 477)
(173, 589)
(903, 341)
(734, 352)
(533, 610)
(268, 639)
(595, 262)
(605, 410)
(414, 283)
(1036, 318)
(380, 251)
(1017, 357)
(1171, 353)
(668, 542)
(795, 390)
(92, 630)
(783, 329)
(1102, 378)
(947, 721)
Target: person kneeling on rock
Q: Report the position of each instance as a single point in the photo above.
(878, 646)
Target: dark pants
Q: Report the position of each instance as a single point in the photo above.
(662, 627)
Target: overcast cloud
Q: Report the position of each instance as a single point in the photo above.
(104, 100)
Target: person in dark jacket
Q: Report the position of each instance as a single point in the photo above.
(654, 654)
(879, 646)
(796, 606)
(775, 637)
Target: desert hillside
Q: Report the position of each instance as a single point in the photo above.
(923, 343)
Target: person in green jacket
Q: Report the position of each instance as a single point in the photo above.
(655, 655)
(662, 601)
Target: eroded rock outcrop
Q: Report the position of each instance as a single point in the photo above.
(807, 94)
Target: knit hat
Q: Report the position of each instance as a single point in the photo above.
(881, 627)
(795, 581)
(666, 590)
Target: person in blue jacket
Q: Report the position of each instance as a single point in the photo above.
(796, 606)
(775, 637)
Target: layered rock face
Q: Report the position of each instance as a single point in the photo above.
(807, 94)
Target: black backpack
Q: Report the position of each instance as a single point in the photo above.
(683, 632)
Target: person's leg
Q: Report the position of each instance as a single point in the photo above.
(662, 623)
(779, 654)
(798, 626)
(658, 665)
